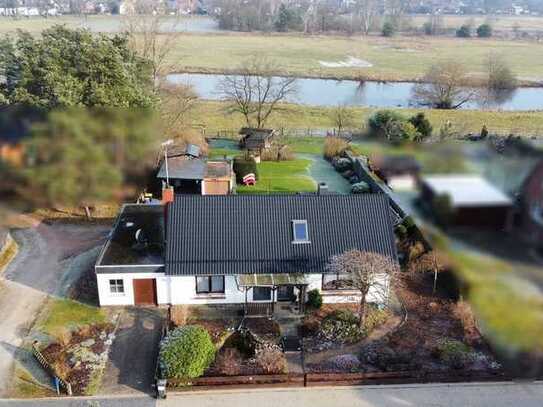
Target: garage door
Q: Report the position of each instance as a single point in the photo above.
(145, 291)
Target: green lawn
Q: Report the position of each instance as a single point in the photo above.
(397, 58)
(291, 116)
(281, 177)
(62, 313)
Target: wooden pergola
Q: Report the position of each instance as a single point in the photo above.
(274, 281)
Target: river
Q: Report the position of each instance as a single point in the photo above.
(329, 92)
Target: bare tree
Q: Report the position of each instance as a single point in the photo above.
(342, 117)
(151, 34)
(255, 92)
(432, 261)
(499, 74)
(367, 11)
(176, 104)
(367, 272)
(444, 87)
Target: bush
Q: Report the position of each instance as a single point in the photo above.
(388, 29)
(186, 352)
(484, 31)
(390, 125)
(310, 326)
(243, 166)
(277, 153)
(341, 326)
(409, 223)
(454, 353)
(464, 31)
(270, 358)
(360, 188)
(422, 124)
(400, 231)
(334, 147)
(314, 299)
(342, 164)
(179, 314)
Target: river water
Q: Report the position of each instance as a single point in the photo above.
(329, 92)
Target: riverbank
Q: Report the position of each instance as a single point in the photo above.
(211, 114)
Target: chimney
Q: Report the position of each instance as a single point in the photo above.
(322, 188)
(167, 195)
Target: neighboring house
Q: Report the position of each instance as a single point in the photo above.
(398, 171)
(256, 141)
(242, 251)
(474, 200)
(189, 173)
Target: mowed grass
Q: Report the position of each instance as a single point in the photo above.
(394, 59)
(63, 314)
(212, 115)
(281, 177)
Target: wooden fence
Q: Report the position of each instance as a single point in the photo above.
(335, 379)
(50, 369)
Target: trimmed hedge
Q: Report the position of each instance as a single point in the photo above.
(244, 166)
(186, 352)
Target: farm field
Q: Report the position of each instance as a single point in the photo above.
(211, 114)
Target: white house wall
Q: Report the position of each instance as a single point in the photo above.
(127, 298)
(182, 290)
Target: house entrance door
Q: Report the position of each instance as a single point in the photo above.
(145, 291)
(285, 293)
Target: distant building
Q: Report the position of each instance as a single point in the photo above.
(256, 141)
(474, 201)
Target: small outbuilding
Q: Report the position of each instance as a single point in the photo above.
(256, 141)
(474, 201)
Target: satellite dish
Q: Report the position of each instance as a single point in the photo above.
(140, 236)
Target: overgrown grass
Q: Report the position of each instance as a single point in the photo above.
(508, 306)
(281, 177)
(291, 116)
(60, 314)
(8, 253)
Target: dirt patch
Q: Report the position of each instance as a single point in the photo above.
(349, 62)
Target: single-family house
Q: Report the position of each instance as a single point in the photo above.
(474, 200)
(398, 171)
(256, 141)
(190, 173)
(241, 252)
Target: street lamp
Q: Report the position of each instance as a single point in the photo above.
(165, 145)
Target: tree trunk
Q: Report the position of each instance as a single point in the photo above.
(362, 312)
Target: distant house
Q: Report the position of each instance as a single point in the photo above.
(241, 251)
(474, 200)
(256, 141)
(189, 173)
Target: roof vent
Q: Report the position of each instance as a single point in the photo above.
(322, 188)
(193, 150)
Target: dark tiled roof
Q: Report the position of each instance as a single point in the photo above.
(218, 169)
(240, 234)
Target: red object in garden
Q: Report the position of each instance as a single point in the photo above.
(249, 179)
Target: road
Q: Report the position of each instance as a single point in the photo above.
(43, 266)
(425, 395)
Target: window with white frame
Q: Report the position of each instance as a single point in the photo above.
(116, 286)
(209, 284)
(300, 233)
(337, 281)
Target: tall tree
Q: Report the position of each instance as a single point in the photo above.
(367, 272)
(255, 92)
(368, 11)
(65, 67)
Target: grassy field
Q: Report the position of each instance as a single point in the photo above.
(393, 59)
(281, 177)
(499, 23)
(213, 116)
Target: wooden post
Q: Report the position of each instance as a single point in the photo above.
(245, 306)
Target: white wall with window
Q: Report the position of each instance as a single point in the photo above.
(118, 288)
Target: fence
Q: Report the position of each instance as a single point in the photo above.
(51, 370)
(283, 132)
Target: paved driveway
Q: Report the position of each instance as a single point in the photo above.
(44, 266)
(132, 358)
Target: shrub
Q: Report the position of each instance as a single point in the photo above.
(464, 31)
(388, 29)
(392, 126)
(334, 147)
(374, 318)
(228, 362)
(186, 352)
(341, 326)
(484, 31)
(270, 358)
(314, 298)
(179, 314)
(342, 164)
(277, 153)
(360, 188)
(243, 166)
(401, 231)
(64, 336)
(422, 124)
(310, 326)
(409, 223)
(454, 353)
